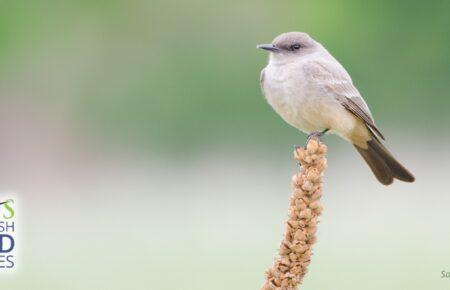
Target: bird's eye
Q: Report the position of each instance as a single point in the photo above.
(295, 46)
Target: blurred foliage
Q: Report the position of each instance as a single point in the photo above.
(162, 73)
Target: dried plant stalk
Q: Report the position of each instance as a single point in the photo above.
(294, 255)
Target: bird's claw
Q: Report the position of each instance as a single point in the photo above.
(317, 135)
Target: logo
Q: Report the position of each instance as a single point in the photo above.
(7, 234)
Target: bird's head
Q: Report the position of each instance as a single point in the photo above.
(290, 46)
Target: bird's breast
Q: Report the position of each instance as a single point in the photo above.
(290, 94)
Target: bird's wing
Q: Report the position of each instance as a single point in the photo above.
(336, 80)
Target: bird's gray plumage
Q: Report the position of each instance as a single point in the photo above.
(313, 92)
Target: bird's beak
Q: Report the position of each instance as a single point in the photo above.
(270, 47)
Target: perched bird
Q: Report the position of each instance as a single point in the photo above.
(313, 92)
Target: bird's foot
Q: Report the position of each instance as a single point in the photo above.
(317, 135)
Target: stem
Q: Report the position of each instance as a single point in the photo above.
(294, 255)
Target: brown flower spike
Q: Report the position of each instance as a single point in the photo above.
(294, 255)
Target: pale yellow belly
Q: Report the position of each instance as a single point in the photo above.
(315, 114)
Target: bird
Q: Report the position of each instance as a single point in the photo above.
(314, 93)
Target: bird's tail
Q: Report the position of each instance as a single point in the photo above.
(383, 164)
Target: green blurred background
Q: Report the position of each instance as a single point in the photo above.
(144, 156)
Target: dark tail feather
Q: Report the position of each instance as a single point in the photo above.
(383, 164)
